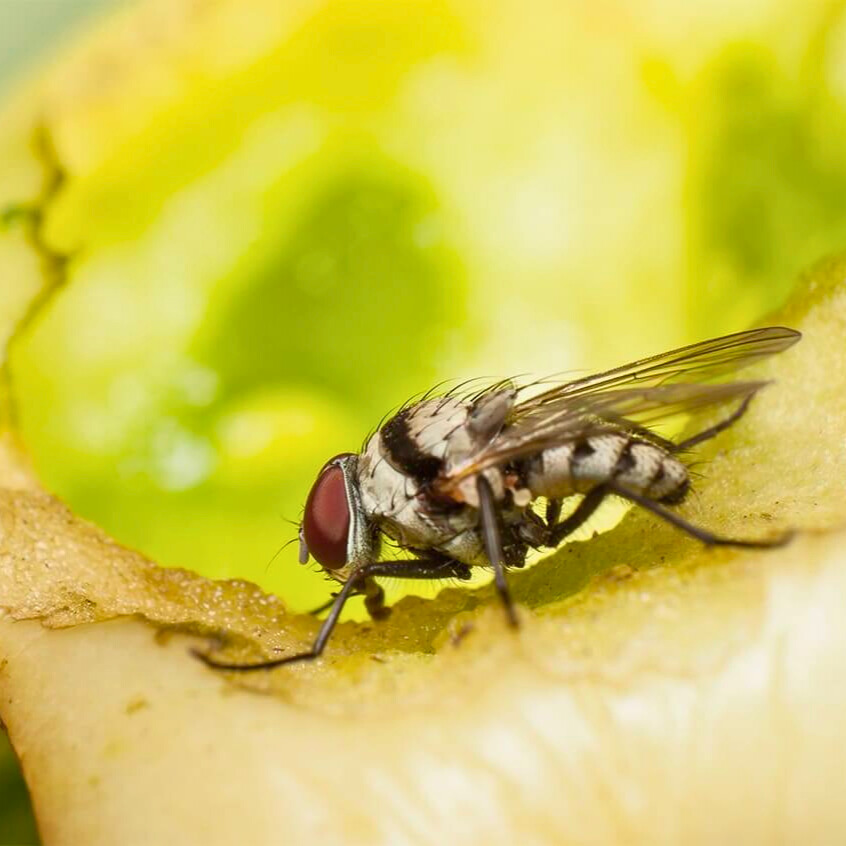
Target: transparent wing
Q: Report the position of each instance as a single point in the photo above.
(694, 363)
(628, 409)
(633, 397)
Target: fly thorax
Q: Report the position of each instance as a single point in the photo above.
(385, 491)
(416, 441)
(449, 430)
(393, 500)
(431, 427)
(432, 438)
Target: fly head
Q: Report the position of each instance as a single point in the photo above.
(335, 528)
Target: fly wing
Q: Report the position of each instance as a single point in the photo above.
(626, 409)
(632, 397)
(700, 362)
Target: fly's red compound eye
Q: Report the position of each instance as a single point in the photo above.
(326, 521)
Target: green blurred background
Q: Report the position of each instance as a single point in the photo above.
(287, 221)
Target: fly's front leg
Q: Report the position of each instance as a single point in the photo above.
(414, 568)
(325, 606)
(374, 600)
(714, 430)
(493, 544)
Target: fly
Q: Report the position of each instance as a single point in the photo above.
(453, 479)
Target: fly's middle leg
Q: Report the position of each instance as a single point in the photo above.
(714, 430)
(538, 532)
(584, 511)
(553, 511)
(489, 525)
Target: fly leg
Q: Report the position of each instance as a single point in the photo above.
(374, 600)
(314, 612)
(493, 544)
(713, 431)
(584, 511)
(414, 568)
(708, 538)
(553, 511)
(325, 606)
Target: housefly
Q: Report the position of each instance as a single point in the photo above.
(455, 479)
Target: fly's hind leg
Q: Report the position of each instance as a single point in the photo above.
(708, 538)
(713, 431)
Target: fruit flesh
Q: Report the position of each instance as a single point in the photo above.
(655, 691)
